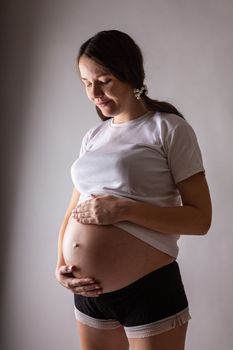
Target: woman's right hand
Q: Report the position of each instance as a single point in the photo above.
(82, 286)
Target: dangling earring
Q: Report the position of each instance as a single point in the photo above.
(140, 91)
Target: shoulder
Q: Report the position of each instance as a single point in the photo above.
(168, 121)
(168, 125)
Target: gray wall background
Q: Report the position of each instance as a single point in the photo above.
(188, 52)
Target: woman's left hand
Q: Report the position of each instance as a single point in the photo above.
(99, 210)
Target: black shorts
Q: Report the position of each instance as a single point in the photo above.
(151, 305)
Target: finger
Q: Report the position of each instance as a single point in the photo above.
(78, 210)
(84, 205)
(66, 269)
(84, 282)
(72, 281)
(85, 290)
(86, 217)
(65, 280)
(93, 294)
(87, 220)
(82, 209)
(82, 214)
(90, 293)
(69, 272)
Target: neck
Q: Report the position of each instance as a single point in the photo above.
(134, 111)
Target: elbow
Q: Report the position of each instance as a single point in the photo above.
(204, 230)
(202, 221)
(204, 226)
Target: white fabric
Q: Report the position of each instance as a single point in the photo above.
(142, 331)
(142, 159)
(158, 327)
(95, 322)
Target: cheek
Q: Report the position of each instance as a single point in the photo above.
(124, 95)
(118, 93)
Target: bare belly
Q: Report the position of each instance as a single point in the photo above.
(110, 255)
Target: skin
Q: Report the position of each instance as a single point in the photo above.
(65, 274)
(101, 85)
(194, 217)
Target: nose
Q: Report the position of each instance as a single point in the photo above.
(96, 91)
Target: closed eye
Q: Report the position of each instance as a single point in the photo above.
(88, 84)
(105, 82)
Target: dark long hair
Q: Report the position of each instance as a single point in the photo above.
(119, 53)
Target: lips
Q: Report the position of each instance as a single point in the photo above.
(102, 103)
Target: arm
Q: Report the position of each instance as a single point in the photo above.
(194, 217)
(73, 202)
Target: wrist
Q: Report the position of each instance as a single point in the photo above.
(124, 209)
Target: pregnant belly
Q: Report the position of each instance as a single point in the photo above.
(109, 254)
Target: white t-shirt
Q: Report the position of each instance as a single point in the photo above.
(141, 159)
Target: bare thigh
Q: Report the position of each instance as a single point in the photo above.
(102, 339)
(170, 340)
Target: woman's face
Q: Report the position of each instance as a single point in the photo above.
(111, 95)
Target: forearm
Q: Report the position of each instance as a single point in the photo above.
(186, 220)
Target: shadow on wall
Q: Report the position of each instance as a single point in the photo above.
(16, 66)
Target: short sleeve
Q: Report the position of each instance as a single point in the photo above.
(84, 142)
(183, 152)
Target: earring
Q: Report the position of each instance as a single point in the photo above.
(140, 91)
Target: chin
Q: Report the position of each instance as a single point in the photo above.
(105, 113)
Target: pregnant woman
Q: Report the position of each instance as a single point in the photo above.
(139, 183)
